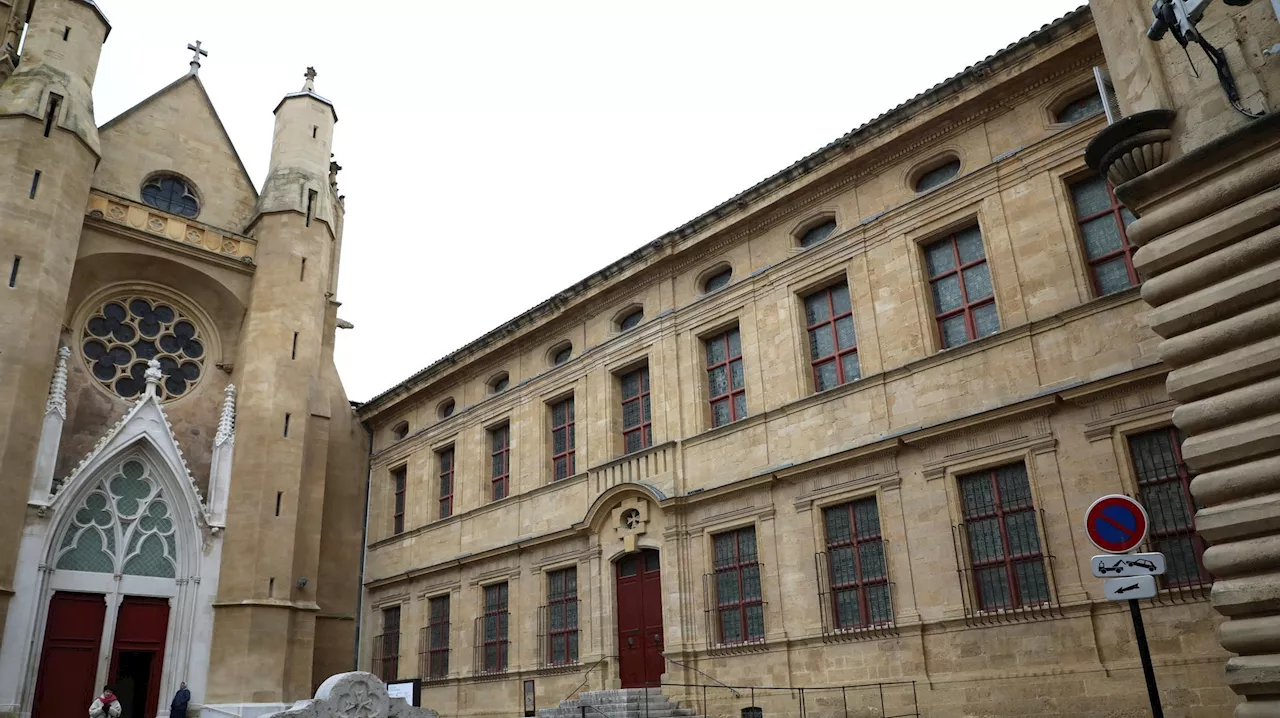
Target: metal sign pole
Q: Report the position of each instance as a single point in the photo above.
(1148, 671)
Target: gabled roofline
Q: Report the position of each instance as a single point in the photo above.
(208, 100)
(738, 204)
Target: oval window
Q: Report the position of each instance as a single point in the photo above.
(817, 233)
(631, 320)
(446, 409)
(561, 355)
(170, 194)
(400, 430)
(716, 281)
(499, 383)
(938, 176)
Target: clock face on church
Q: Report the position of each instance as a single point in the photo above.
(126, 332)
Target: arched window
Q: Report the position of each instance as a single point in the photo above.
(127, 332)
(1078, 109)
(499, 383)
(561, 354)
(170, 194)
(630, 320)
(400, 430)
(717, 280)
(938, 176)
(123, 526)
(817, 233)
(445, 410)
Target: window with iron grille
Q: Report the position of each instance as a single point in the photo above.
(725, 382)
(500, 461)
(445, 457)
(833, 345)
(562, 617)
(493, 630)
(434, 642)
(637, 418)
(386, 646)
(1102, 221)
(964, 304)
(739, 602)
(1003, 539)
(563, 442)
(399, 481)
(1164, 487)
(859, 581)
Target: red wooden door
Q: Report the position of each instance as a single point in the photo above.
(138, 654)
(69, 660)
(640, 641)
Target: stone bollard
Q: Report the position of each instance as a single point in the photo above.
(354, 695)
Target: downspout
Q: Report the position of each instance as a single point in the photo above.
(364, 547)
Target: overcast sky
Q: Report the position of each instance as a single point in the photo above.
(496, 151)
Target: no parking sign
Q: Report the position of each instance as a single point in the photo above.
(1116, 523)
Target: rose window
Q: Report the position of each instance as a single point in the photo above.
(122, 336)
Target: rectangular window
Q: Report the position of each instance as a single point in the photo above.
(13, 271)
(833, 345)
(302, 273)
(563, 442)
(1002, 538)
(1164, 487)
(500, 461)
(726, 385)
(286, 426)
(739, 603)
(35, 184)
(637, 417)
(446, 482)
(494, 629)
(1102, 221)
(399, 479)
(279, 498)
(311, 203)
(293, 353)
(855, 559)
(960, 281)
(386, 648)
(435, 640)
(51, 114)
(562, 617)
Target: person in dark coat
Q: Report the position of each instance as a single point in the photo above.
(178, 708)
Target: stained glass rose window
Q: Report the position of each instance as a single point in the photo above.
(125, 333)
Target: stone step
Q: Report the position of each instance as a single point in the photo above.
(621, 703)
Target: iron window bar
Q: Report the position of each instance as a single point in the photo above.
(974, 611)
(492, 645)
(869, 627)
(558, 642)
(1164, 489)
(386, 655)
(721, 607)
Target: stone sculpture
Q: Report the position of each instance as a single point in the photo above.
(354, 695)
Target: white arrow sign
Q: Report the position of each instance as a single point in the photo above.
(1126, 589)
(1134, 564)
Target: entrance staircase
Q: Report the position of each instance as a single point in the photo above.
(623, 703)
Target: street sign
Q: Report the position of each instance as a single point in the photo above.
(1133, 564)
(1129, 589)
(1116, 523)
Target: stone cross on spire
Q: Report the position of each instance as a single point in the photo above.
(310, 84)
(195, 59)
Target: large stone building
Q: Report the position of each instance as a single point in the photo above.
(840, 430)
(158, 525)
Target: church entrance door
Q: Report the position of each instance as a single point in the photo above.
(138, 654)
(69, 660)
(640, 659)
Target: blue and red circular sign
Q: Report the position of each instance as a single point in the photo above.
(1116, 523)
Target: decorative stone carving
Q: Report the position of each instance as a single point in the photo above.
(354, 695)
(1133, 146)
(227, 421)
(630, 521)
(58, 388)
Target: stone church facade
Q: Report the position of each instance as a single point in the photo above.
(839, 431)
(182, 474)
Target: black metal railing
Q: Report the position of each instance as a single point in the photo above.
(735, 606)
(558, 635)
(386, 656)
(433, 651)
(999, 586)
(893, 699)
(491, 645)
(860, 609)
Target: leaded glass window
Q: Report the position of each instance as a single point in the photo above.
(739, 601)
(1003, 538)
(726, 383)
(938, 176)
(817, 233)
(128, 331)
(1164, 487)
(1103, 221)
(833, 344)
(500, 461)
(717, 281)
(563, 441)
(964, 301)
(562, 617)
(123, 526)
(170, 194)
(855, 558)
(494, 629)
(637, 416)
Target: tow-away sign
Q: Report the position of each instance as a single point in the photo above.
(1133, 564)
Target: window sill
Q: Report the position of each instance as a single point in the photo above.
(727, 649)
(874, 631)
(556, 668)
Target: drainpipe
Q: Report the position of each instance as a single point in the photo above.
(364, 547)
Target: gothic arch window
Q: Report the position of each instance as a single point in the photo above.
(127, 331)
(123, 526)
(171, 194)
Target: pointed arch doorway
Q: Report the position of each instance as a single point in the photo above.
(639, 611)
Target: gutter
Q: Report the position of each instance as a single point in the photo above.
(364, 542)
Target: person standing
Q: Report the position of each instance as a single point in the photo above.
(105, 705)
(178, 707)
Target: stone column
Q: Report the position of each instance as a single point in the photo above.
(1204, 180)
(55, 414)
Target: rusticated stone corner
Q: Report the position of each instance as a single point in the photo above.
(1133, 146)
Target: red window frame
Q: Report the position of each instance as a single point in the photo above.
(399, 479)
(437, 638)
(566, 633)
(389, 642)
(1009, 560)
(839, 353)
(1158, 533)
(857, 539)
(644, 427)
(495, 609)
(966, 307)
(737, 565)
(731, 361)
(565, 458)
(445, 457)
(500, 461)
(1126, 249)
